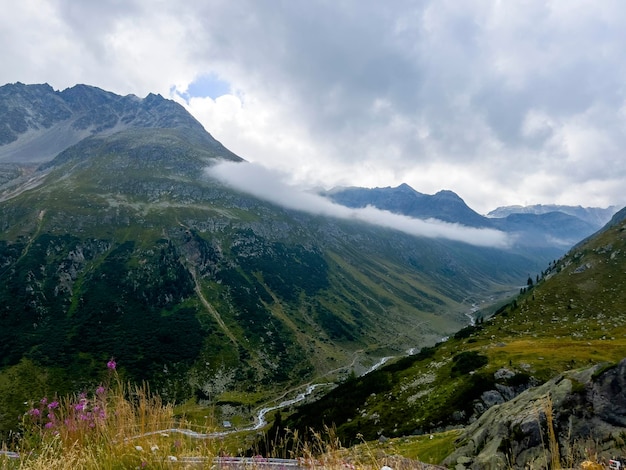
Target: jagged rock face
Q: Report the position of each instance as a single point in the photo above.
(608, 396)
(37, 122)
(582, 408)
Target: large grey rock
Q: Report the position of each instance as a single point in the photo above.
(580, 406)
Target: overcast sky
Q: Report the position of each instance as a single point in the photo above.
(503, 102)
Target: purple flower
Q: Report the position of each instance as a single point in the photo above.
(79, 407)
(44, 400)
(53, 405)
(49, 425)
(34, 412)
(111, 364)
(100, 390)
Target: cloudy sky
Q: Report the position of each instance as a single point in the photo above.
(503, 102)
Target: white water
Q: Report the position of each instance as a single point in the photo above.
(380, 363)
(260, 420)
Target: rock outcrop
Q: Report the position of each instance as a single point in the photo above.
(576, 413)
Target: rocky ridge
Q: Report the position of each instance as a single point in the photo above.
(37, 122)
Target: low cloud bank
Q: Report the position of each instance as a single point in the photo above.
(266, 184)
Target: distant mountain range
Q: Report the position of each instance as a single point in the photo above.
(445, 205)
(533, 227)
(596, 216)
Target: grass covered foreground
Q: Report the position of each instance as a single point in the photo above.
(117, 425)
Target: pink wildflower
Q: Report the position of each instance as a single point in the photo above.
(44, 400)
(100, 390)
(49, 425)
(53, 405)
(111, 364)
(34, 412)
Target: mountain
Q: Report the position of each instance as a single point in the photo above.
(37, 123)
(552, 229)
(542, 233)
(563, 337)
(445, 205)
(595, 216)
(115, 242)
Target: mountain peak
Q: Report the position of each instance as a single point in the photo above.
(445, 205)
(154, 98)
(404, 187)
(451, 195)
(38, 123)
(21, 87)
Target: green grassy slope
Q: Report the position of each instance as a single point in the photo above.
(575, 316)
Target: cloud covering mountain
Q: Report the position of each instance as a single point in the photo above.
(266, 184)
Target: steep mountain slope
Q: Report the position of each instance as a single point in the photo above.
(122, 246)
(574, 317)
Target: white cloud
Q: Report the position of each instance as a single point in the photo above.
(482, 98)
(267, 185)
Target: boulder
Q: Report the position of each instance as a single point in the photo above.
(577, 408)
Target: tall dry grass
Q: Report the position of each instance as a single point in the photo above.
(119, 425)
(114, 426)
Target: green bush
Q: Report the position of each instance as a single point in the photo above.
(467, 361)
